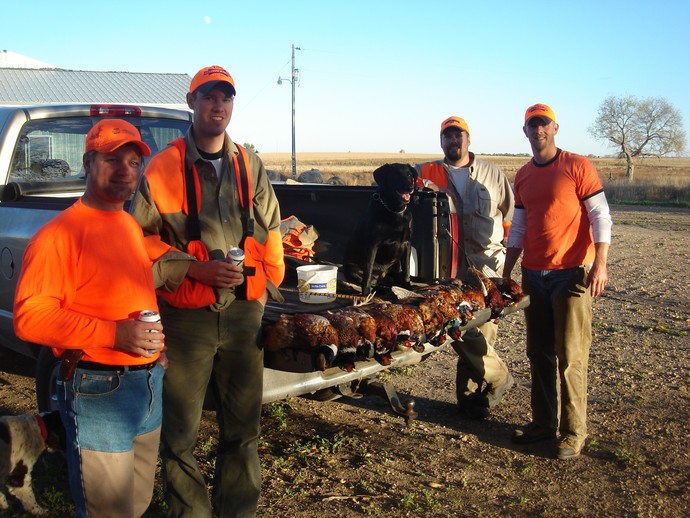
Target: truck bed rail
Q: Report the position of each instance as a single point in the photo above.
(15, 191)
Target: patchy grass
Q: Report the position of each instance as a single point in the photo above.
(626, 456)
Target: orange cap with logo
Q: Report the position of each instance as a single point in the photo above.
(455, 122)
(539, 110)
(107, 135)
(208, 77)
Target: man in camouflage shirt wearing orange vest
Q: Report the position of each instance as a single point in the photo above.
(211, 308)
(483, 202)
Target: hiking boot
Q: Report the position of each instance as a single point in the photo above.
(569, 447)
(473, 411)
(474, 406)
(496, 396)
(533, 433)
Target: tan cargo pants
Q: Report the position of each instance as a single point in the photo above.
(479, 363)
(559, 336)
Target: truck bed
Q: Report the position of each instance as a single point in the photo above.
(334, 212)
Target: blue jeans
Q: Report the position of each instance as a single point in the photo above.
(112, 421)
(559, 336)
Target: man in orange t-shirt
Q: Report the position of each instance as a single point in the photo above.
(85, 278)
(562, 223)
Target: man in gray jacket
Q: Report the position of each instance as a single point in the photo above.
(483, 202)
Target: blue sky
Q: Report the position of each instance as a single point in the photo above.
(380, 76)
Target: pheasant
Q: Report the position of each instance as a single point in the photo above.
(304, 331)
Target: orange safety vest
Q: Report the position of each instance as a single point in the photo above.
(263, 261)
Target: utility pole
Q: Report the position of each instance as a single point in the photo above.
(293, 81)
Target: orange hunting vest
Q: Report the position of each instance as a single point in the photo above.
(170, 194)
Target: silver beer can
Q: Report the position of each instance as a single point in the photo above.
(236, 256)
(148, 315)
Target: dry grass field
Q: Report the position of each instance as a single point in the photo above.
(356, 168)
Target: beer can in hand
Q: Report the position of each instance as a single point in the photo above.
(148, 315)
(236, 256)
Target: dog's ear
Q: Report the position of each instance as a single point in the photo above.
(415, 176)
(381, 175)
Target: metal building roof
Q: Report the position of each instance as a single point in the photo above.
(9, 59)
(55, 85)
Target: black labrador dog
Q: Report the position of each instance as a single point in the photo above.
(380, 246)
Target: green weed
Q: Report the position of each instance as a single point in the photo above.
(409, 503)
(430, 501)
(528, 467)
(280, 411)
(207, 445)
(318, 445)
(519, 501)
(402, 371)
(626, 456)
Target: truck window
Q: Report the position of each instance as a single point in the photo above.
(51, 150)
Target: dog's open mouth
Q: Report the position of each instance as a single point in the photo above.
(405, 196)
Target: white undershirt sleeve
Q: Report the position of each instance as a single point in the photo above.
(599, 217)
(517, 228)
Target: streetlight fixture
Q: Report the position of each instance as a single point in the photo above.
(295, 76)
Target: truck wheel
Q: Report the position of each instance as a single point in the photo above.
(47, 368)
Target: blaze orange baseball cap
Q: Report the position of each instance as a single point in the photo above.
(539, 110)
(107, 135)
(208, 77)
(455, 122)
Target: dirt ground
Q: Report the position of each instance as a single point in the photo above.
(355, 457)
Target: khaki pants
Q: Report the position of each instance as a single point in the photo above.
(559, 335)
(120, 485)
(479, 363)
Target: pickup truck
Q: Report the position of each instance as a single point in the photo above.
(41, 151)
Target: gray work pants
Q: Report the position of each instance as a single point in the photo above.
(220, 349)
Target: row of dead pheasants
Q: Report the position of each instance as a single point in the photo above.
(430, 314)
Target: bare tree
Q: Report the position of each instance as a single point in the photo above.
(649, 127)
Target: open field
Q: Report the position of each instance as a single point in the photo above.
(657, 181)
(356, 168)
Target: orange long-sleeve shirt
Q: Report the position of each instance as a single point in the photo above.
(82, 272)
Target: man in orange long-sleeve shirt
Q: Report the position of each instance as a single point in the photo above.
(85, 277)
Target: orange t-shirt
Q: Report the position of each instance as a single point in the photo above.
(82, 272)
(558, 234)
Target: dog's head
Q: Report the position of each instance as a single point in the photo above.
(397, 183)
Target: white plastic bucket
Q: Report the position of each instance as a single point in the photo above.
(317, 279)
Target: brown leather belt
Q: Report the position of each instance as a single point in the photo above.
(118, 368)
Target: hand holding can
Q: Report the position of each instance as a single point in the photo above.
(149, 315)
(236, 256)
